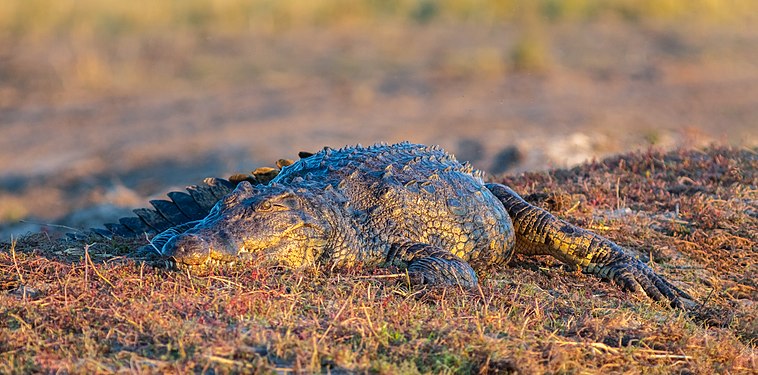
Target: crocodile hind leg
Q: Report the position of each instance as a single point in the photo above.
(539, 232)
(429, 264)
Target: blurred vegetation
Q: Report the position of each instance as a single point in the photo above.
(113, 18)
(93, 46)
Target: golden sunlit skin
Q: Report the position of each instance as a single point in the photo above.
(404, 204)
(540, 233)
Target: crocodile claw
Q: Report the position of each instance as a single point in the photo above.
(635, 276)
(428, 264)
(441, 271)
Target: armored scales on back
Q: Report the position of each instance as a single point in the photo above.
(403, 204)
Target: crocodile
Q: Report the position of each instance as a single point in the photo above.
(404, 204)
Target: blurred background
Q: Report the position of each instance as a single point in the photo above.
(107, 103)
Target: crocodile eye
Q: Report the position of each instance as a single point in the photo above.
(265, 206)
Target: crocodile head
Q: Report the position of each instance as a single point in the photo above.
(275, 221)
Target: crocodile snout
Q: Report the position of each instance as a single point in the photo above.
(188, 249)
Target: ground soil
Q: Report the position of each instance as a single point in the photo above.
(94, 306)
(92, 126)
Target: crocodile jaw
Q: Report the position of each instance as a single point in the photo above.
(190, 250)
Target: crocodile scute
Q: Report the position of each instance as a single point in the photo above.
(404, 204)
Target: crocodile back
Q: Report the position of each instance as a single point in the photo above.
(409, 192)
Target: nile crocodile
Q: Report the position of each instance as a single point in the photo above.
(403, 204)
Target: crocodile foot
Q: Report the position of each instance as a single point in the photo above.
(428, 264)
(635, 276)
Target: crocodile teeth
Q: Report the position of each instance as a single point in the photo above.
(172, 264)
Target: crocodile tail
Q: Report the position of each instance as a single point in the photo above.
(540, 233)
(179, 208)
(184, 207)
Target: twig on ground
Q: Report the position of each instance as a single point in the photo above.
(15, 261)
(390, 276)
(88, 260)
(600, 347)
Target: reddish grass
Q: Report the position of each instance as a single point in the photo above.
(88, 307)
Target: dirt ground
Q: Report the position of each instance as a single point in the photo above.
(77, 157)
(95, 306)
(104, 106)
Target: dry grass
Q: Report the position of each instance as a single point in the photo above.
(89, 308)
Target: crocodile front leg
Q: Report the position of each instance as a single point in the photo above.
(429, 264)
(539, 232)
